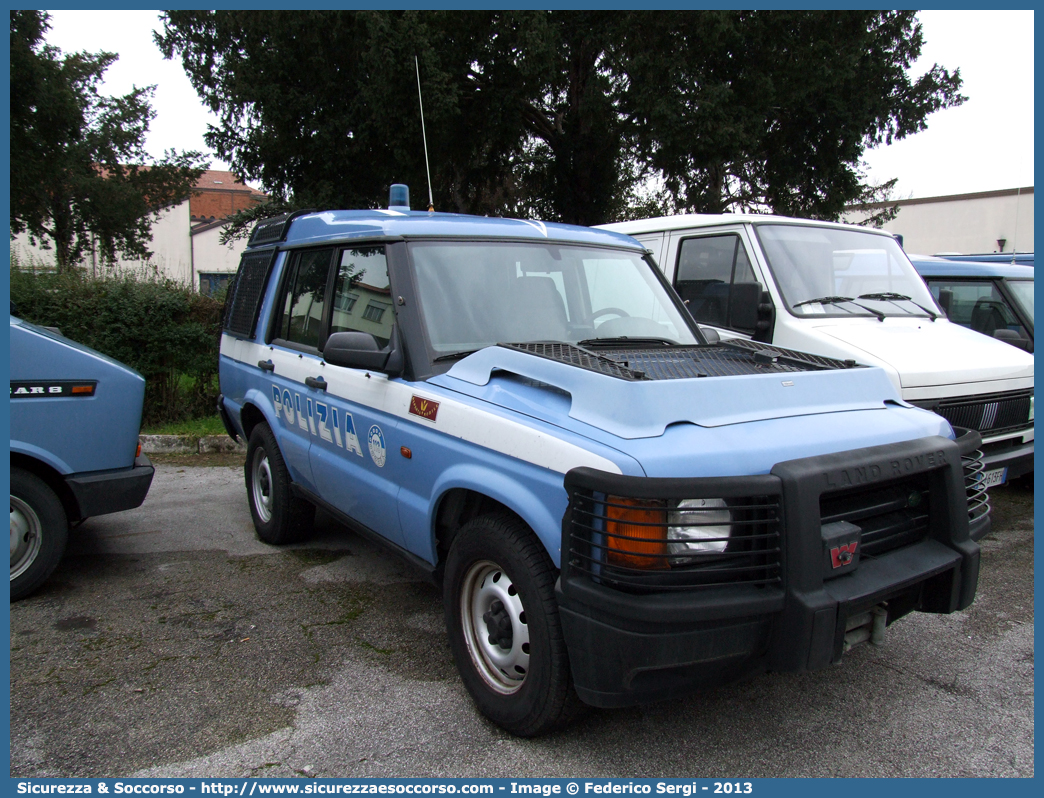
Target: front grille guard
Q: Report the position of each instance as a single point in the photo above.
(974, 468)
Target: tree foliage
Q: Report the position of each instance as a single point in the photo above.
(79, 172)
(161, 328)
(578, 116)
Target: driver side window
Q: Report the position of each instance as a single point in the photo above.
(708, 268)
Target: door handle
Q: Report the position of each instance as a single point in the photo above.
(266, 365)
(316, 382)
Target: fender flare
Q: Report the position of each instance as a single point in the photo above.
(44, 456)
(509, 492)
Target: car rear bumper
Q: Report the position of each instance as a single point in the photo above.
(104, 492)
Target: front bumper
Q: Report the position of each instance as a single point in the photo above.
(104, 492)
(631, 644)
(1012, 454)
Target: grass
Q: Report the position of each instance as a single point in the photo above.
(197, 427)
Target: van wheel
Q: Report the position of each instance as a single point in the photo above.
(39, 530)
(504, 629)
(279, 516)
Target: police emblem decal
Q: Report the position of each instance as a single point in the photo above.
(424, 408)
(378, 451)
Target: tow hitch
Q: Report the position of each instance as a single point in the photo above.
(867, 626)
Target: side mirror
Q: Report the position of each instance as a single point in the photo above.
(945, 300)
(711, 335)
(751, 310)
(743, 305)
(359, 350)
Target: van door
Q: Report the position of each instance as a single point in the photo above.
(654, 243)
(716, 277)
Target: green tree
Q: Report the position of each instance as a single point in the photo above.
(80, 176)
(773, 111)
(577, 116)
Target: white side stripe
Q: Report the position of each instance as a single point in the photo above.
(470, 424)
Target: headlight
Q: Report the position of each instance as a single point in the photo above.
(700, 526)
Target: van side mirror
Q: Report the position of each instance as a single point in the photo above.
(945, 300)
(751, 309)
(743, 306)
(359, 350)
(711, 335)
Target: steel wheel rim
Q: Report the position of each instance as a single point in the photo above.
(261, 484)
(26, 536)
(504, 669)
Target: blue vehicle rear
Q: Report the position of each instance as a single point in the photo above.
(75, 418)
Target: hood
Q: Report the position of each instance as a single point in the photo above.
(927, 353)
(644, 409)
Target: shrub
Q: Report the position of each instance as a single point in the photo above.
(163, 329)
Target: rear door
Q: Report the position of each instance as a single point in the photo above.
(301, 314)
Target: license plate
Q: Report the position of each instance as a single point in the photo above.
(998, 476)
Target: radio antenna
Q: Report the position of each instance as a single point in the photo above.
(424, 135)
(1015, 238)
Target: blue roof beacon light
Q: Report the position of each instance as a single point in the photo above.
(399, 197)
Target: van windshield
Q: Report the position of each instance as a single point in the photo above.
(824, 271)
(476, 294)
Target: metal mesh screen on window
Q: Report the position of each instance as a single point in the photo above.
(246, 292)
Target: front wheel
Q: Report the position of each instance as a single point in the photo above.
(279, 517)
(39, 530)
(504, 628)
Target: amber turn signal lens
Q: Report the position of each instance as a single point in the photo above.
(137, 454)
(637, 533)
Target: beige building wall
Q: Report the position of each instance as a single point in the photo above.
(210, 256)
(170, 246)
(963, 223)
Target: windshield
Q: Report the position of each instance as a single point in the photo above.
(823, 271)
(1022, 290)
(475, 294)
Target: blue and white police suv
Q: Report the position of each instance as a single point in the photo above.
(618, 509)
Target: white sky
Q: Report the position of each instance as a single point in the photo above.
(985, 144)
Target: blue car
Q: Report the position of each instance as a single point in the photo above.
(992, 298)
(618, 508)
(75, 418)
(1018, 259)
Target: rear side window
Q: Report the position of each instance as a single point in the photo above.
(243, 300)
(707, 269)
(304, 299)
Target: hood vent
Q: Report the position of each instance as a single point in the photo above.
(727, 359)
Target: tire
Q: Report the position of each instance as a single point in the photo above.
(39, 531)
(279, 516)
(500, 581)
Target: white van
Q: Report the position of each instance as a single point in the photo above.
(847, 292)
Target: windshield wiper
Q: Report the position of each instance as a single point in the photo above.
(825, 300)
(454, 355)
(837, 300)
(888, 296)
(623, 339)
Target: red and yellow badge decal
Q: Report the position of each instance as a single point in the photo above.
(425, 408)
